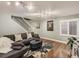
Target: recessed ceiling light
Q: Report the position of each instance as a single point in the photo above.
(17, 3)
(30, 7)
(8, 3)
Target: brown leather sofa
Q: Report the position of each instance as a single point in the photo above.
(16, 53)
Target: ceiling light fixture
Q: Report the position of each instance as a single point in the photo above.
(8, 3)
(30, 7)
(17, 3)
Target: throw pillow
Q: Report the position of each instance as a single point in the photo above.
(16, 47)
(29, 35)
(18, 37)
(17, 44)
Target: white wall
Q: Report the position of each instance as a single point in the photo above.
(8, 26)
(34, 24)
(50, 34)
(55, 34)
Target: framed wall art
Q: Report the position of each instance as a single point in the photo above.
(50, 25)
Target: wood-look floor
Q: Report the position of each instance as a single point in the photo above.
(59, 50)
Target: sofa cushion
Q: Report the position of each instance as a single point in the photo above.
(25, 42)
(24, 35)
(12, 37)
(36, 36)
(17, 44)
(16, 47)
(32, 33)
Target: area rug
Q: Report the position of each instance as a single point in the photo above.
(41, 53)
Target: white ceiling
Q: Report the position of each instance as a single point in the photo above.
(59, 8)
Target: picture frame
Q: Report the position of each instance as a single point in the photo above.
(50, 25)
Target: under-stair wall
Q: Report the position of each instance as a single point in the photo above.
(24, 23)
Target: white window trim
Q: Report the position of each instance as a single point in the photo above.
(67, 27)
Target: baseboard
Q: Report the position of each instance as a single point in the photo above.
(54, 40)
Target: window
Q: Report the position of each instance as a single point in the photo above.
(64, 28)
(73, 28)
(69, 27)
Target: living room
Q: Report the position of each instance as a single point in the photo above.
(39, 29)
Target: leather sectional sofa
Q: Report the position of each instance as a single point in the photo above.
(16, 53)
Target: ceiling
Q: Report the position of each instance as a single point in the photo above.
(58, 8)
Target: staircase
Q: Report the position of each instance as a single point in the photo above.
(24, 23)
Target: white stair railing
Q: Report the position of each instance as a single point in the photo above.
(24, 23)
(29, 24)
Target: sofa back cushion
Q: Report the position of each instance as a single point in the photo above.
(12, 37)
(24, 35)
(32, 33)
(36, 36)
